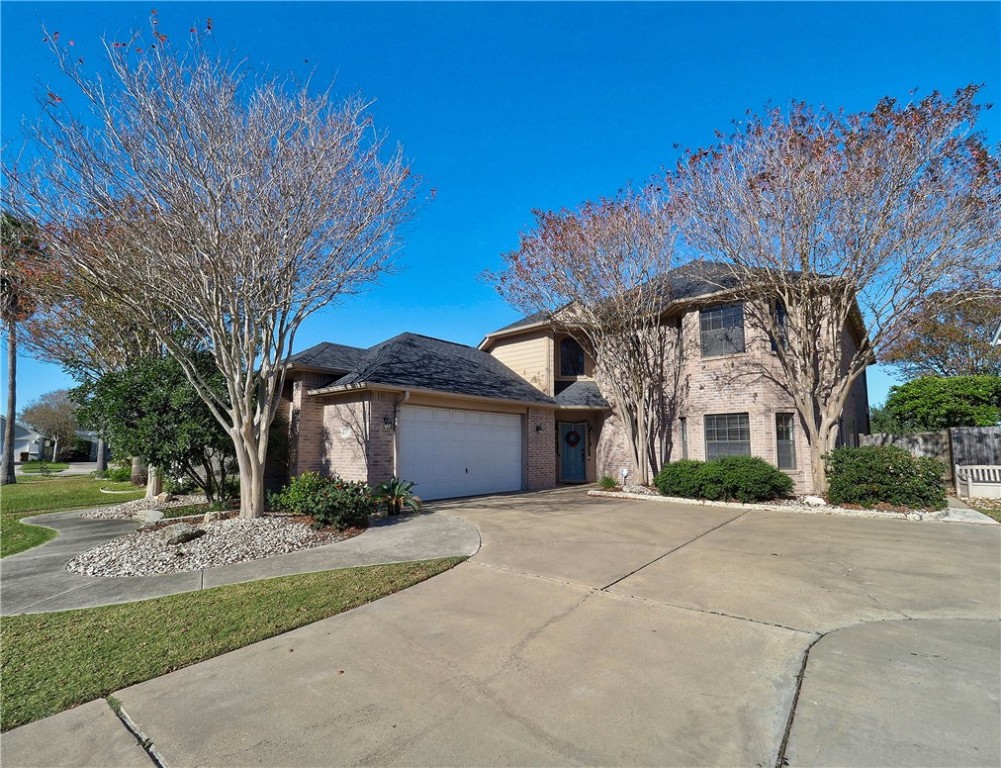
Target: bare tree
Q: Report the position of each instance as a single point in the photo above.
(235, 207)
(838, 226)
(54, 415)
(597, 274)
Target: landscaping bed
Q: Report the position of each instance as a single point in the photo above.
(222, 542)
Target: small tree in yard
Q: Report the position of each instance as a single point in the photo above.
(595, 273)
(835, 221)
(931, 403)
(54, 414)
(228, 207)
(149, 408)
(948, 336)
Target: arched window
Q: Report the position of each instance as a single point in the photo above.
(571, 358)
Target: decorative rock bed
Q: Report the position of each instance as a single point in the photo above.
(147, 553)
(130, 509)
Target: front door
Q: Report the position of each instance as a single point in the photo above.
(573, 452)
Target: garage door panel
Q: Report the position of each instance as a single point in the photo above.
(451, 452)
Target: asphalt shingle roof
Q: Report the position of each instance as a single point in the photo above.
(582, 394)
(689, 281)
(421, 362)
(336, 358)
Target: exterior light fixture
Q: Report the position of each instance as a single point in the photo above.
(388, 423)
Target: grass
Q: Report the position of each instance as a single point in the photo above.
(37, 466)
(52, 662)
(37, 495)
(990, 507)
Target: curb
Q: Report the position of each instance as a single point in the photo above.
(939, 516)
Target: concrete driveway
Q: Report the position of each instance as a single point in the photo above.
(604, 632)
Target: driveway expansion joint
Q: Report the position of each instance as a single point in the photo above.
(675, 549)
(145, 743)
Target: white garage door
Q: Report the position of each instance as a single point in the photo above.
(451, 453)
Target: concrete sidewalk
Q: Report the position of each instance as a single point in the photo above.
(36, 581)
(607, 632)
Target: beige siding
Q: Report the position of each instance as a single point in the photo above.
(530, 356)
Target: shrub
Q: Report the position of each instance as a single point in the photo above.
(744, 478)
(397, 495)
(328, 500)
(118, 474)
(884, 474)
(608, 482)
(680, 478)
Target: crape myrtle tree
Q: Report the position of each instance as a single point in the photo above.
(87, 334)
(948, 336)
(838, 221)
(232, 206)
(54, 414)
(19, 251)
(595, 274)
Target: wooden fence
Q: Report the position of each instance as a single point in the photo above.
(976, 445)
(962, 446)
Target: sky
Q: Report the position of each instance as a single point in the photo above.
(504, 108)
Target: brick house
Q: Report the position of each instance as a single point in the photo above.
(523, 411)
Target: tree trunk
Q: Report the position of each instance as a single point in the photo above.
(55, 449)
(138, 471)
(102, 455)
(251, 476)
(154, 482)
(7, 461)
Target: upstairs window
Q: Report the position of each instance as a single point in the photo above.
(781, 317)
(571, 358)
(727, 434)
(722, 330)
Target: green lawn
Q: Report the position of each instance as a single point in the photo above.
(36, 466)
(51, 662)
(35, 495)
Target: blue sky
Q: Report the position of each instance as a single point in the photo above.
(506, 107)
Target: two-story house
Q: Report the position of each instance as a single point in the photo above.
(524, 411)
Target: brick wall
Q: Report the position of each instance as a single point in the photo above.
(355, 442)
(613, 452)
(540, 450)
(306, 430)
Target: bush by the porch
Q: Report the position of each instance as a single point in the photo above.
(328, 500)
(885, 474)
(744, 478)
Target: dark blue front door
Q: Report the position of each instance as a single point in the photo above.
(573, 452)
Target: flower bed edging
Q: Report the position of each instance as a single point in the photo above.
(912, 515)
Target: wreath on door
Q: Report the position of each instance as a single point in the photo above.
(573, 438)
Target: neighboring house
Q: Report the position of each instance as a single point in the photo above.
(524, 410)
(28, 444)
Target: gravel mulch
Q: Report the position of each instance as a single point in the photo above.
(128, 510)
(142, 553)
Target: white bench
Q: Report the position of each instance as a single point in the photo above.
(978, 480)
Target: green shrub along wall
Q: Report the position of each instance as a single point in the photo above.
(743, 478)
(885, 474)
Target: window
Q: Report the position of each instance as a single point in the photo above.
(722, 330)
(571, 358)
(728, 434)
(785, 440)
(781, 317)
(683, 434)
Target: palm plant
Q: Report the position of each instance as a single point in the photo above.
(397, 494)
